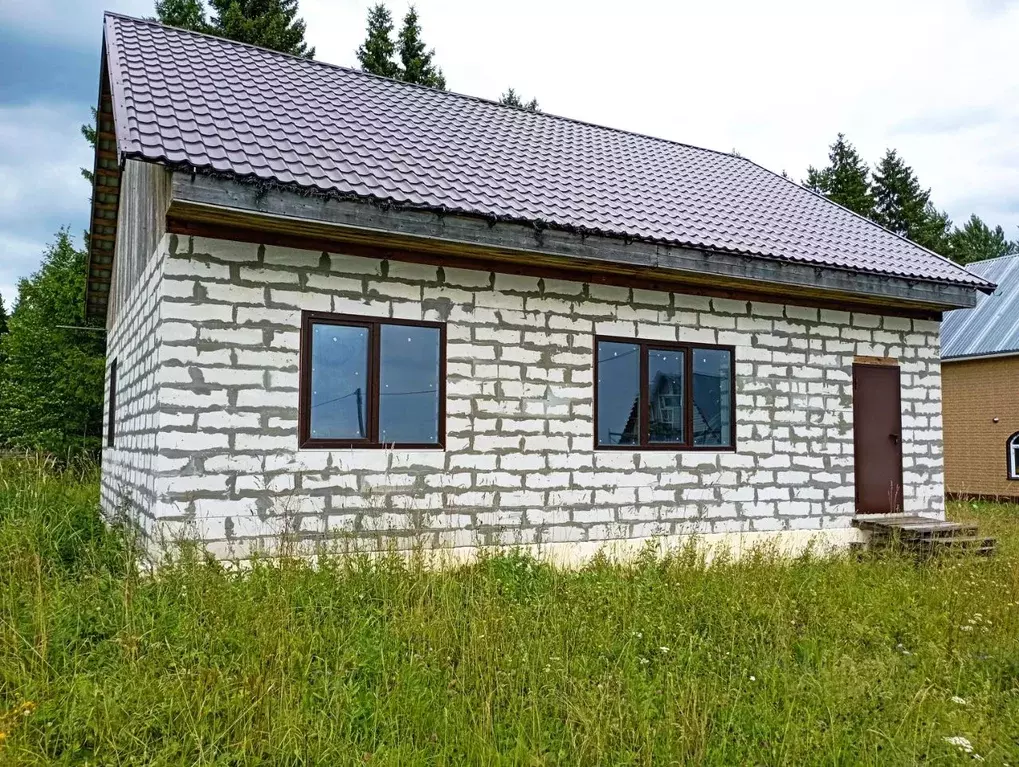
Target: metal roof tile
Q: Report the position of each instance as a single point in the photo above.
(211, 103)
(992, 326)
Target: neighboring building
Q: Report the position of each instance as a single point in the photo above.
(980, 377)
(348, 307)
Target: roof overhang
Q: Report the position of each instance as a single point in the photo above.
(106, 175)
(977, 357)
(229, 208)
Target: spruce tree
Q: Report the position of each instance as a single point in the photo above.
(900, 205)
(377, 51)
(977, 242)
(88, 131)
(269, 23)
(512, 99)
(415, 57)
(51, 390)
(935, 231)
(186, 14)
(846, 180)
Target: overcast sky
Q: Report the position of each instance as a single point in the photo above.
(936, 79)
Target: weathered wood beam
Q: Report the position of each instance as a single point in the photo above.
(211, 198)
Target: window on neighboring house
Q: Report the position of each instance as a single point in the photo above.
(371, 382)
(1012, 458)
(650, 394)
(111, 414)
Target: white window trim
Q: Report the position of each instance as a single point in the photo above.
(1012, 456)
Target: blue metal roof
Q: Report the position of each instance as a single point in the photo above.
(992, 326)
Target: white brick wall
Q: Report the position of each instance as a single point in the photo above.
(130, 466)
(519, 465)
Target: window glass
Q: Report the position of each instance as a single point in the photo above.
(712, 397)
(339, 382)
(666, 415)
(111, 415)
(1013, 455)
(409, 385)
(618, 393)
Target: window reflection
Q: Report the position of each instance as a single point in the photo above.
(618, 393)
(712, 397)
(409, 385)
(339, 382)
(666, 420)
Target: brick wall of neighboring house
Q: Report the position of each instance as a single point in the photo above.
(133, 340)
(975, 393)
(519, 466)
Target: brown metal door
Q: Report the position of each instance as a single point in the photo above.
(877, 419)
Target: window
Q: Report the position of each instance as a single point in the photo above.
(371, 383)
(111, 412)
(650, 394)
(1012, 456)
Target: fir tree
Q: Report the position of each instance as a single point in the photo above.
(3, 317)
(846, 180)
(977, 242)
(415, 57)
(935, 231)
(900, 205)
(512, 99)
(377, 51)
(269, 23)
(186, 14)
(51, 390)
(88, 131)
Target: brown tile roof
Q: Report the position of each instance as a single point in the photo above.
(202, 102)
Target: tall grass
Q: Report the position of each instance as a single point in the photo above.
(506, 661)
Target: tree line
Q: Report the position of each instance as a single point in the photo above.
(893, 197)
(52, 358)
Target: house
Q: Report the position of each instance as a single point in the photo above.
(342, 306)
(980, 375)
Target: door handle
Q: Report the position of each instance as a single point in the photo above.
(894, 438)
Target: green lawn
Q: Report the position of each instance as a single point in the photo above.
(760, 661)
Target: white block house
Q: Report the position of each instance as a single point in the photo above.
(353, 309)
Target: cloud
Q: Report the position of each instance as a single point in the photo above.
(67, 23)
(951, 120)
(41, 189)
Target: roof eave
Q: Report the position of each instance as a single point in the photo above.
(981, 356)
(197, 196)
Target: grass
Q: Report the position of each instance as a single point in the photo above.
(507, 661)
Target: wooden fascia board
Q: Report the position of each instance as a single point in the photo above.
(99, 272)
(212, 200)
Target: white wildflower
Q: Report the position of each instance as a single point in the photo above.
(664, 649)
(644, 661)
(961, 743)
(965, 628)
(958, 700)
(753, 678)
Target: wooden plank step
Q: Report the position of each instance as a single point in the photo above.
(911, 525)
(926, 533)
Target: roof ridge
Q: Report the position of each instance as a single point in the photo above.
(456, 94)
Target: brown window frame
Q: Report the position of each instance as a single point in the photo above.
(111, 415)
(374, 326)
(644, 346)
